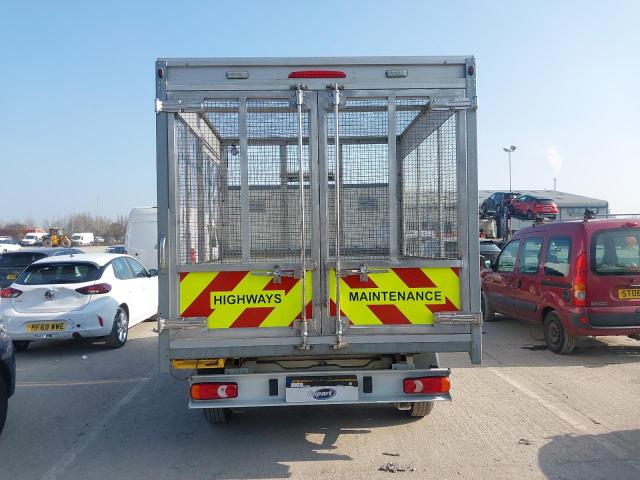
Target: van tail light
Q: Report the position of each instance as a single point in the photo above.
(214, 391)
(580, 281)
(426, 385)
(10, 292)
(97, 289)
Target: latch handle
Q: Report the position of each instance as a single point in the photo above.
(276, 273)
(363, 271)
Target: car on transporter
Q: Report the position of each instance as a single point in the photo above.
(78, 296)
(578, 278)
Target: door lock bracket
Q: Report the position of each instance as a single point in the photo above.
(363, 271)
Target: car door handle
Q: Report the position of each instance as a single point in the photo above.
(518, 283)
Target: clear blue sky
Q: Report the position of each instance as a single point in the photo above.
(557, 79)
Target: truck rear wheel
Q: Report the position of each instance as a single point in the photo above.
(217, 415)
(420, 409)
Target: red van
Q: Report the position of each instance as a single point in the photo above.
(575, 278)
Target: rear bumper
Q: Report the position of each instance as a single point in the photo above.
(603, 321)
(82, 322)
(269, 389)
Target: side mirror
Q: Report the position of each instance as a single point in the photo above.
(153, 272)
(488, 264)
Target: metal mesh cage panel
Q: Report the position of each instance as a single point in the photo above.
(364, 179)
(208, 184)
(274, 184)
(428, 183)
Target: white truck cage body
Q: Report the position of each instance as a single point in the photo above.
(249, 198)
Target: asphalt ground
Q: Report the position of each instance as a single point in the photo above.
(85, 412)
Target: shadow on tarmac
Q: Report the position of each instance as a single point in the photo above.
(609, 456)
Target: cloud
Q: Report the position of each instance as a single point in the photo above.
(554, 159)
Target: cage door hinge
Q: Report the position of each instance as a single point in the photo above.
(195, 105)
(453, 103)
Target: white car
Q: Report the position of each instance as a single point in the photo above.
(78, 296)
(8, 244)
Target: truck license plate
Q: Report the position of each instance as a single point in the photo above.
(629, 293)
(327, 389)
(46, 327)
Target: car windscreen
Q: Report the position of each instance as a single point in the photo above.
(59, 272)
(616, 252)
(545, 201)
(76, 237)
(19, 260)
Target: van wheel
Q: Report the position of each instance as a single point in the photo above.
(216, 416)
(558, 340)
(488, 315)
(420, 409)
(529, 215)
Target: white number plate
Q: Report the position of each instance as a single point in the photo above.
(322, 389)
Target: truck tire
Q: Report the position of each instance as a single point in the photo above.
(420, 409)
(488, 315)
(557, 339)
(47, 242)
(120, 329)
(21, 345)
(216, 416)
(65, 242)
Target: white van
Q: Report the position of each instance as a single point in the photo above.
(82, 239)
(33, 238)
(141, 239)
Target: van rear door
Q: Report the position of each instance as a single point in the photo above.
(614, 279)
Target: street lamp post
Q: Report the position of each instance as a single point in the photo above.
(509, 150)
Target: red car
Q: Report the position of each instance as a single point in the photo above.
(532, 207)
(575, 278)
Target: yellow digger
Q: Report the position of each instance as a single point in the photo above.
(56, 238)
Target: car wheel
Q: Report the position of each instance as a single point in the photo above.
(21, 345)
(529, 215)
(488, 315)
(120, 329)
(4, 403)
(558, 340)
(216, 416)
(420, 409)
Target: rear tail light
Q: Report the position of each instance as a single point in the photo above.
(97, 289)
(580, 281)
(318, 74)
(214, 391)
(10, 292)
(426, 385)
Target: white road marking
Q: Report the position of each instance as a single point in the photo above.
(60, 467)
(67, 383)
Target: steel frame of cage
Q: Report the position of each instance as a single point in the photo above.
(442, 337)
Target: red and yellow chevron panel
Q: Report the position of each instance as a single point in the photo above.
(401, 296)
(242, 300)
